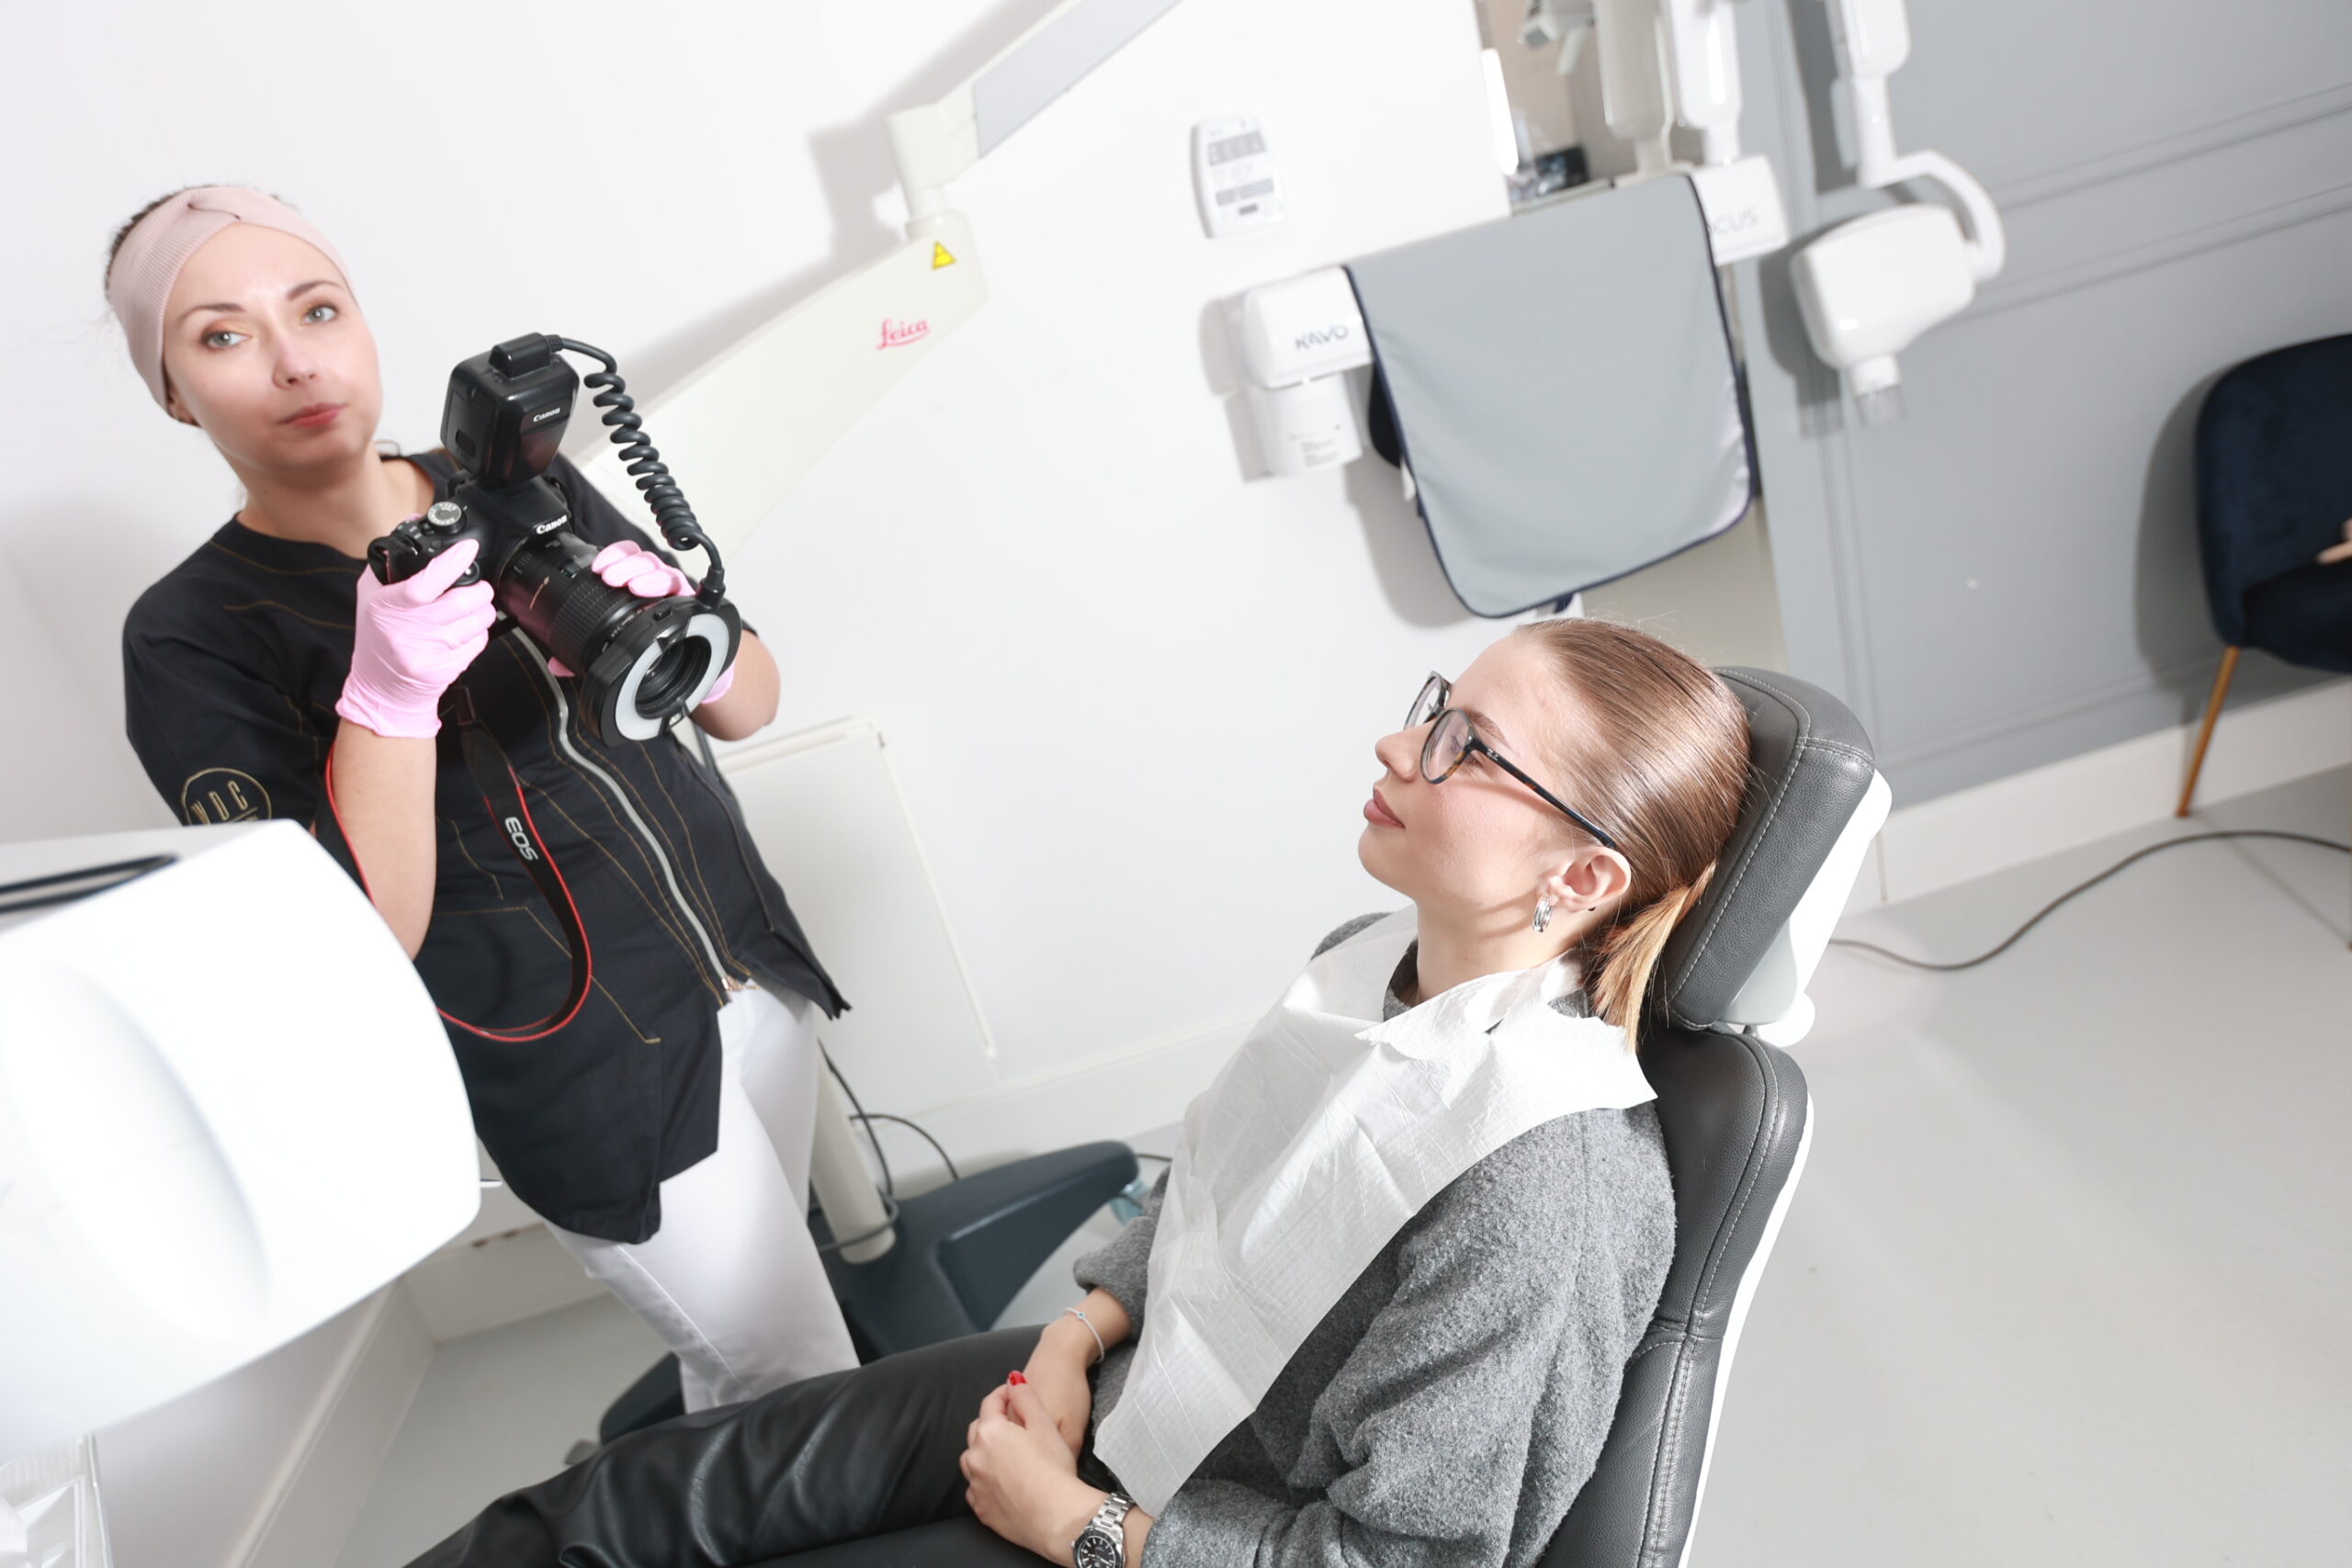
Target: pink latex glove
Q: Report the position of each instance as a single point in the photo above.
(625, 563)
(410, 639)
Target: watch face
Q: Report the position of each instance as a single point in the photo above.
(1098, 1548)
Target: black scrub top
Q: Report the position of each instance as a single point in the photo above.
(231, 666)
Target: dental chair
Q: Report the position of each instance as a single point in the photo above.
(1737, 1119)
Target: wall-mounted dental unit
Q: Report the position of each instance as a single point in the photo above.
(1664, 64)
(750, 423)
(1558, 389)
(1667, 72)
(1871, 286)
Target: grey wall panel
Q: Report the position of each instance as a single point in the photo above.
(2008, 576)
(2045, 564)
(2020, 89)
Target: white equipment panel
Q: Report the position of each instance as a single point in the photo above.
(825, 811)
(1233, 171)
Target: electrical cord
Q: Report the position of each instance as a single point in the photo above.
(889, 1186)
(2082, 888)
(670, 511)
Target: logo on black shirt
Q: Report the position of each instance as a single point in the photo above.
(522, 837)
(222, 794)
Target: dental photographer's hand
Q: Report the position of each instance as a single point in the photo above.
(410, 641)
(625, 563)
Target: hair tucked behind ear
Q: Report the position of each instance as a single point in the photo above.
(1662, 763)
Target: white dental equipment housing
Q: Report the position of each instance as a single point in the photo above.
(1869, 287)
(1299, 338)
(228, 1112)
(1664, 63)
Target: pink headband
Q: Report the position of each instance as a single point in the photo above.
(149, 263)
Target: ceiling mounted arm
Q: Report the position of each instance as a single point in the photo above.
(938, 141)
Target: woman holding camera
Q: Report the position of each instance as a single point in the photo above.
(659, 1117)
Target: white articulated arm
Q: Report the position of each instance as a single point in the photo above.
(1988, 241)
(1872, 38)
(938, 141)
(1632, 80)
(747, 425)
(1702, 44)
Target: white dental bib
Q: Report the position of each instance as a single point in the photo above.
(1327, 1131)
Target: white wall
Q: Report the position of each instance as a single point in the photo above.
(1130, 696)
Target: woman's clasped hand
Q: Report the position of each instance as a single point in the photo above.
(1021, 1470)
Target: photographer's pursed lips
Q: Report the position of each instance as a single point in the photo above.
(314, 415)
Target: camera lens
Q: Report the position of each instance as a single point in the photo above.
(676, 671)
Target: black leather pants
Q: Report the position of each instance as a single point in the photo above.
(836, 1459)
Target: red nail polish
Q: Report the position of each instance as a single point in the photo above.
(1016, 1378)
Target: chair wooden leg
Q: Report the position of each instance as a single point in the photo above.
(2205, 735)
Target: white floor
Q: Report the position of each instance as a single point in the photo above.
(2068, 1281)
(2067, 1284)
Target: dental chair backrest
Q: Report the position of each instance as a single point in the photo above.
(1733, 1105)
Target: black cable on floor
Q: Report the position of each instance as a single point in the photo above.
(2081, 888)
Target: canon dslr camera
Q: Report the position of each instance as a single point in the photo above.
(641, 662)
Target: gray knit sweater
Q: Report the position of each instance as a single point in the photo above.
(1452, 1405)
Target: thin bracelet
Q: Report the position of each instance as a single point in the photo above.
(1101, 1349)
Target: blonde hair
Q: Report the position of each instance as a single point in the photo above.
(1663, 765)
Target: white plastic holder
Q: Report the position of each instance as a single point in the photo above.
(1298, 340)
(1741, 200)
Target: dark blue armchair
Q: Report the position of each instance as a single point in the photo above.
(2274, 487)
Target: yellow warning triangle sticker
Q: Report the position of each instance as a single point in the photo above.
(941, 256)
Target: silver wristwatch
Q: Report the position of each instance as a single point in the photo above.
(1104, 1542)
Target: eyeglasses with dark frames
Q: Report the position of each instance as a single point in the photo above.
(1453, 737)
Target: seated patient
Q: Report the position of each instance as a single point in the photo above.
(1378, 1311)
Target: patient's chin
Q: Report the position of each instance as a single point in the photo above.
(1372, 854)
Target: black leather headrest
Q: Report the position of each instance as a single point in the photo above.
(1809, 766)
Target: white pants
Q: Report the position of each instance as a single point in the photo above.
(732, 1281)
